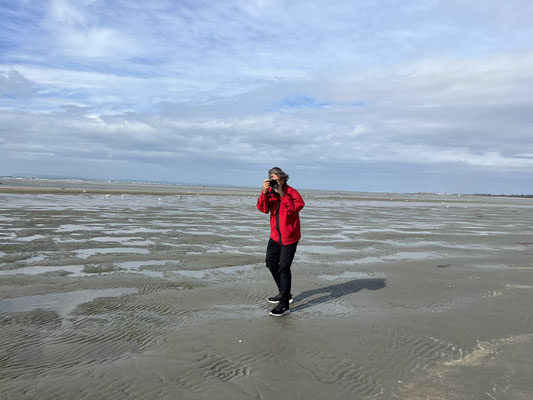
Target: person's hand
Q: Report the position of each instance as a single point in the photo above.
(266, 186)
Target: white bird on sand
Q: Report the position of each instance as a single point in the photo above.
(107, 196)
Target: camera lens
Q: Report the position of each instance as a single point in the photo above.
(273, 183)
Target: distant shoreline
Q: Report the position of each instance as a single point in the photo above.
(88, 187)
(29, 185)
(526, 196)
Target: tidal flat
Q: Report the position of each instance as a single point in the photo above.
(132, 291)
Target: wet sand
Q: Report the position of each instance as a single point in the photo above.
(115, 291)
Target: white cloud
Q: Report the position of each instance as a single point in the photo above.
(13, 83)
(78, 32)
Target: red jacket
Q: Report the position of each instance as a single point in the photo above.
(284, 217)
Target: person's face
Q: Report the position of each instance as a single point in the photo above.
(281, 181)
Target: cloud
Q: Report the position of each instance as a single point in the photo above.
(493, 14)
(474, 113)
(14, 84)
(424, 113)
(78, 31)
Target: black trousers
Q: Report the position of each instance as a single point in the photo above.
(278, 261)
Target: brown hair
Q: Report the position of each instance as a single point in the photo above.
(279, 172)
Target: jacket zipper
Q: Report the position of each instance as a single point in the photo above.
(277, 221)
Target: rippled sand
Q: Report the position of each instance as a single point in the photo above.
(127, 292)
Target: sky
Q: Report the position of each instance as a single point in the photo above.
(360, 95)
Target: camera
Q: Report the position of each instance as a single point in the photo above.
(273, 183)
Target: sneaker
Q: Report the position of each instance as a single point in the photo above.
(280, 311)
(277, 298)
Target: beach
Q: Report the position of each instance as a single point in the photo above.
(144, 291)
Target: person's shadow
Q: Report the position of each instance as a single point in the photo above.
(332, 292)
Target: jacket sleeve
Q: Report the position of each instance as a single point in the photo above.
(293, 202)
(263, 203)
